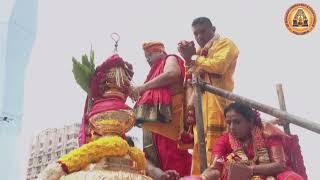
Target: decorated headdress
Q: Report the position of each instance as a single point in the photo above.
(114, 72)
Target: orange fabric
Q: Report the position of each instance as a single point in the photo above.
(173, 128)
(153, 46)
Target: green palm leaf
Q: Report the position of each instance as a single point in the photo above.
(84, 71)
(82, 75)
(85, 61)
(92, 59)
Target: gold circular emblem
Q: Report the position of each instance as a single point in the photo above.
(300, 19)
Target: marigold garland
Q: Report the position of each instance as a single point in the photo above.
(93, 152)
(96, 150)
(138, 156)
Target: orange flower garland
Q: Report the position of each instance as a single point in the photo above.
(96, 150)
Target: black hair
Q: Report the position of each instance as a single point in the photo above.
(130, 141)
(202, 21)
(246, 111)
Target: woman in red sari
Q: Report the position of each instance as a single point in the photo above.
(250, 150)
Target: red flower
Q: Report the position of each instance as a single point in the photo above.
(204, 52)
(97, 84)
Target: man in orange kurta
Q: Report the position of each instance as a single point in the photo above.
(215, 62)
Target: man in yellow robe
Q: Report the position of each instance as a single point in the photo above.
(215, 62)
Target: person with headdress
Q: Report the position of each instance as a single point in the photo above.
(104, 152)
(215, 63)
(160, 111)
(250, 150)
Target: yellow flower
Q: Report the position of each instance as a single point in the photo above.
(138, 156)
(93, 152)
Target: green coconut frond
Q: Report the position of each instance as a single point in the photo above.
(85, 61)
(92, 59)
(83, 72)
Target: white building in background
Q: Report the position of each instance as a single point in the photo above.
(49, 145)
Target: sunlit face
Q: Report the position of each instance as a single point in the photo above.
(239, 127)
(152, 56)
(203, 33)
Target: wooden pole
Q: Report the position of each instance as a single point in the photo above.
(283, 107)
(200, 124)
(302, 122)
(285, 123)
